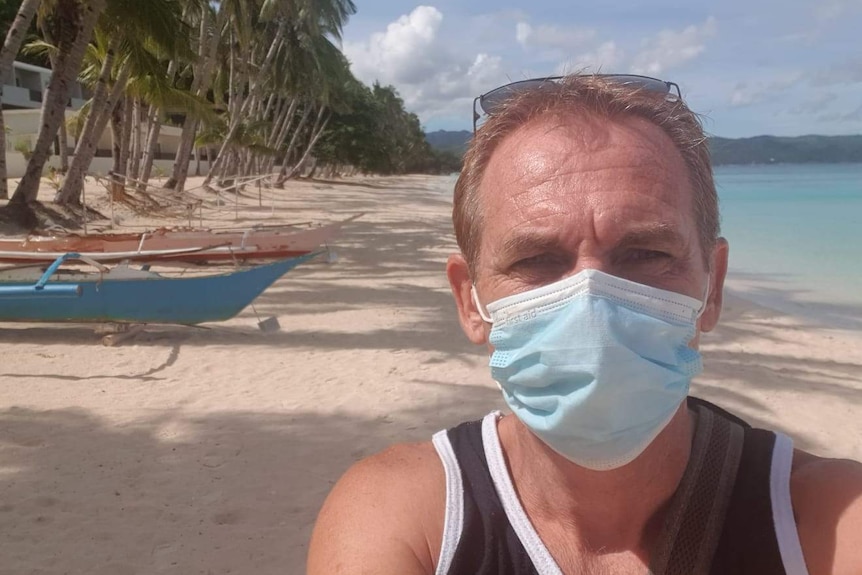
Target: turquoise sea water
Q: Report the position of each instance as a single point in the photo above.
(795, 234)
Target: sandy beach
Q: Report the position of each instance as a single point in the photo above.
(210, 450)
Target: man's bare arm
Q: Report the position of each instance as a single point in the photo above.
(385, 515)
(827, 503)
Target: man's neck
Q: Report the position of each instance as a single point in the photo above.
(608, 511)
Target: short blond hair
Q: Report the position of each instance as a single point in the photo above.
(591, 96)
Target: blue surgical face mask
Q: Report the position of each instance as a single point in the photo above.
(594, 365)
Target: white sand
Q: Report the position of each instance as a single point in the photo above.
(210, 450)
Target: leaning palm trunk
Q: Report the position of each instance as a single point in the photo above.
(4, 188)
(84, 153)
(150, 147)
(177, 180)
(135, 165)
(64, 147)
(154, 123)
(316, 132)
(123, 116)
(63, 134)
(89, 137)
(282, 125)
(11, 45)
(200, 86)
(121, 133)
(249, 104)
(282, 174)
(197, 161)
(72, 48)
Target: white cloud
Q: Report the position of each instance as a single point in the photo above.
(401, 54)
(745, 94)
(671, 48)
(607, 57)
(847, 72)
(432, 77)
(853, 116)
(829, 10)
(563, 38)
(815, 105)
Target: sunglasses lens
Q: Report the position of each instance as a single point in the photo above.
(492, 101)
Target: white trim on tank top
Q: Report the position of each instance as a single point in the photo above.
(539, 554)
(453, 522)
(782, 507)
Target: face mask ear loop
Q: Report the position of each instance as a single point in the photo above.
(705, 297)
(478, 305)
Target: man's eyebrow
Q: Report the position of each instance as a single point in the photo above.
(536, 242)
(529, 242)
(657, 234)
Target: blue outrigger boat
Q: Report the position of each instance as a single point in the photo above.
(125, 295)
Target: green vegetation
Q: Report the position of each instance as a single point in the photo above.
(255, 85)
(377, 135)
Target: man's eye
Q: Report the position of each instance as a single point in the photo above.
(540, 268)
(539, 261)
(648, 255)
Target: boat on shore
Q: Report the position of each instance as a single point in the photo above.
(172, 247)
(122, 294)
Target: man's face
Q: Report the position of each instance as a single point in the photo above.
(563, 194)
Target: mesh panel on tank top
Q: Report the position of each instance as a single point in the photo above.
(695, 518)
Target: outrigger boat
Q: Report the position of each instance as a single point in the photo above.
(133, 296)
(174, 247)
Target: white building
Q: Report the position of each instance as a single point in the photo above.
(22, 103)
(26, 87)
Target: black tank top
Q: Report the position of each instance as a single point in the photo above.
(758, 535)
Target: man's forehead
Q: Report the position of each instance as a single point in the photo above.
(570, 139)
(617, 175)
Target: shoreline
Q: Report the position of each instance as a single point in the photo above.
(765, 291)
(211, 449)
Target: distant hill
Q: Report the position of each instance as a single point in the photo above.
(798, 150)
(449, 141)
(757, 150)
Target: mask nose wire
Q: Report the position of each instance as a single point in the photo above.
(482, 313)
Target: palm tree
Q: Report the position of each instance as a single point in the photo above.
(326, 75)
(208, 44)
(253, 36)
(128, 26)
(75, 22)
(12, 44)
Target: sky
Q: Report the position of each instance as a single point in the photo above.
(777, 67)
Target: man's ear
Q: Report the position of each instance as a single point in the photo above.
(710, 316)
(459, 280)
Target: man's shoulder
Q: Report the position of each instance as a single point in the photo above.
(827, 505)
(388, 507)
(403, 468)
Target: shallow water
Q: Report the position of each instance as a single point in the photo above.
(795, 233)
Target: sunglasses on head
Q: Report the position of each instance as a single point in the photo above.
(490, 102)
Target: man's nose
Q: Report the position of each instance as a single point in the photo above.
(590, 259)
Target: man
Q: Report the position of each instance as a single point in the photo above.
(590, 262)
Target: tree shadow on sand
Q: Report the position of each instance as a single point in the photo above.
(223, 493)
